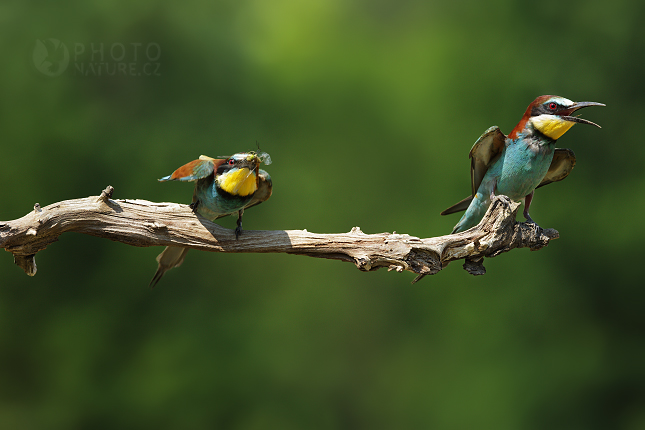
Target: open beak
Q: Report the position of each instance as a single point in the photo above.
(577, 106)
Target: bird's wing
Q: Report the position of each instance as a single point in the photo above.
(487, 148)
(562, 164)
(194, 170)
(265, 188)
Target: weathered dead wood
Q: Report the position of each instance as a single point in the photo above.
(144, 223)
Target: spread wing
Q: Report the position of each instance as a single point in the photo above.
(563, 162)
(486, 150)
(194, 170)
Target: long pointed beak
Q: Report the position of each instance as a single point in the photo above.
(577, 106)
(250, 161)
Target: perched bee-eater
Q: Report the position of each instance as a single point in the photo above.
(224, 186)
(526, 159)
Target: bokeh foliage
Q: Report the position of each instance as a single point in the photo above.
(368, 109)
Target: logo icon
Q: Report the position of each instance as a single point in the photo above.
(51, 56)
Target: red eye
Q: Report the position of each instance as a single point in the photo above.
(552, 106)
(231, 162)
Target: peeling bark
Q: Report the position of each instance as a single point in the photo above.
(144, 223)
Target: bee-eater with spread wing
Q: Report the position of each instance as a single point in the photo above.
(224, 186)
(526, 159)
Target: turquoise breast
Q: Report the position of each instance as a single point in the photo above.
(521, 168)
(215, 203)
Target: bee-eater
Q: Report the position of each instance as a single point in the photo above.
(526, 159)
(224, 185)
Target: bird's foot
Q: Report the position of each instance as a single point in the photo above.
(193, 206)
(529, 220)
(530, 223)
(238, 229)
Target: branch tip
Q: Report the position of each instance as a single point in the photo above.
(417, 279)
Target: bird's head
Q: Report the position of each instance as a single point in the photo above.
(551, 116)
(238, 174)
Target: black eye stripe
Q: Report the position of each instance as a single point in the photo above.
(546, 108)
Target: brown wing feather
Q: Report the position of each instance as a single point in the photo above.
(563, 162)
(196, 169)
(483, 153)
(186, 170)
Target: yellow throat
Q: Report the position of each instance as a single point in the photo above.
(239, 182)
(551, 126)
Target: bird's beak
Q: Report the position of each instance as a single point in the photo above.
(577, 106)
(249, 161)
(253, 161)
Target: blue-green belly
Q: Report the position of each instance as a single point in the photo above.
(214, 203)
(519, 170)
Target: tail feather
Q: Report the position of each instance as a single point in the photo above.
(474, 214)
(171, 257)
(458, 207)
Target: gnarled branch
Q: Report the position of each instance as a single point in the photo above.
(144, 223)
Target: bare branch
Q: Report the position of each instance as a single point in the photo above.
(144, 223)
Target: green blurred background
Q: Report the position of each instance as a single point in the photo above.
(368, 109)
